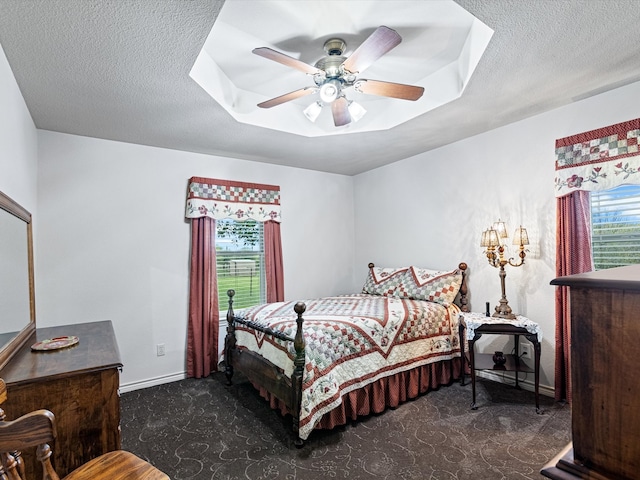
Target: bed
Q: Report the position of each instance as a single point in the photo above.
(329, 361)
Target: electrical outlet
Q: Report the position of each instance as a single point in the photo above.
(525, 350)
(160, 349)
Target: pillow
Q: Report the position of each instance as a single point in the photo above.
(415, 283)
(384, 281)
(435, 285)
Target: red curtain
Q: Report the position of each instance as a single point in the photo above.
(202, 345)
(274, 270)
(573, 255)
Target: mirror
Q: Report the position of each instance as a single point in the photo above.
(17, 300)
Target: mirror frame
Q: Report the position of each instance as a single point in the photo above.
(7, 351)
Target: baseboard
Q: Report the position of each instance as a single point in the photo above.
(527, 384)
(131, 386)
(174, 377)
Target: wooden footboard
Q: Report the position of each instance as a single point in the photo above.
(260, 371)
(263, 373)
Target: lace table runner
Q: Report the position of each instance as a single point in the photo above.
(476, 320)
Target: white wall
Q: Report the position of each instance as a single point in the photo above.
(114, 243)
(430, 210)
(18, 142)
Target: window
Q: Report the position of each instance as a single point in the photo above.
(615, 226)
(240, 262)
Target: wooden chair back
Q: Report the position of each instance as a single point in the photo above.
(36, 429)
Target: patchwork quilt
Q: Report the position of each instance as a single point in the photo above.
(352, 341)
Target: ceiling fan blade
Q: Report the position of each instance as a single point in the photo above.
(340, 110)
(388, 89)
(287, 97)
(375, 46)
(286, 60)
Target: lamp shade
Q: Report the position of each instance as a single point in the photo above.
(520, 236)
(501, 228)
(484, 242)
(493, 238)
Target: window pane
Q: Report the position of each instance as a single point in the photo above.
(240, 262)
(615, 226)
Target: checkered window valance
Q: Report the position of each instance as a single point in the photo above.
(598, 160)
(220, 199)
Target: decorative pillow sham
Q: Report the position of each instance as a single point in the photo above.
(435, 285)
(384, 281)
(415, 283)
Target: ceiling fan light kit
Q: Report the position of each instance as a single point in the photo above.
(335, 73)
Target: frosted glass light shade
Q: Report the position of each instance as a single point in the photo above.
(356, 110)
(330, 91)
(312, 111)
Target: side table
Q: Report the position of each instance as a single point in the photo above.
(478, 324)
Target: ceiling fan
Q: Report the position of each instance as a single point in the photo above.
(334, 73)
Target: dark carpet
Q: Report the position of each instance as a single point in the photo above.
(202, 429)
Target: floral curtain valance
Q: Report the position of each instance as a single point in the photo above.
(598, 160)
(220, 199)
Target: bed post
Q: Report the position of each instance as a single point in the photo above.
(463, 288)
(298, 371)
(230, 339)
(462, 326)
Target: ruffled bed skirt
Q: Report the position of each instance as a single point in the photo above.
(384, 393)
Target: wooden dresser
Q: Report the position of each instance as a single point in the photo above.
(605, 410)
(78, 384)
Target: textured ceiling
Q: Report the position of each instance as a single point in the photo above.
(119, 70)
